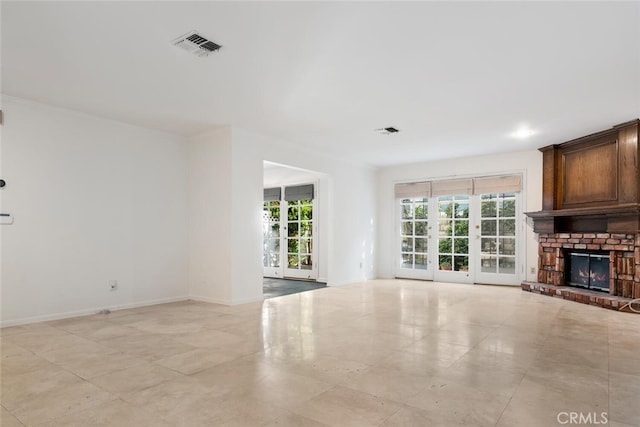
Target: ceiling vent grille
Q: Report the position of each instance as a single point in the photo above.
(196, 43)
(387, 131)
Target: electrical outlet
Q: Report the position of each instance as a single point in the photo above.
(533, 270)
(113, 285)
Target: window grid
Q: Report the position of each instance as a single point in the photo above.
(414, 233)
(453, 233)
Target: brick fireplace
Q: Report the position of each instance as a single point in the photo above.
(624, 258)
(590, 216)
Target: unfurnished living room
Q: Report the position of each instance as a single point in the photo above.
(319, 213)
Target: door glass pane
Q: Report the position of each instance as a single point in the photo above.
(306, 212)
(507, 246)
(293, 261)
(305, 262)
(292, 213)
(421, 210)
(407, 260)
(407, 244)
(421, 262)
(497, 252)
(271, 234)
(460, 263)
(421, 228)
(507, 265)
(489, 245)
(488, 264)
(407, 211)
(306, 230)
(453, 229)
(507, 227)
(421, 244)
(406, 228)
(488, 208)
(508, 208)
(305, 246)
(299, 235)
(488, 227)
(414, 230)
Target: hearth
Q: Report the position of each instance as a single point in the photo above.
(589, 270)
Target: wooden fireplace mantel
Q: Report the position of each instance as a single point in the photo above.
(592, 184)
(616, 219)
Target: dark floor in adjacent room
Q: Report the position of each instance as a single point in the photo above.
(279, 287)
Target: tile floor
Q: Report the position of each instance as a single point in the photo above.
(382, 353)
(273, 287)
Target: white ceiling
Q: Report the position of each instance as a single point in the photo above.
(456, 78)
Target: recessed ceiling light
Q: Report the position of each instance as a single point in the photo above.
(523, 132)
(387, 131)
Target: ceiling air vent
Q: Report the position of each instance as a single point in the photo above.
(387, 131)
(196, 43)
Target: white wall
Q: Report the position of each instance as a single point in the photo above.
(210, 216)
(529, 163)
(93, 200)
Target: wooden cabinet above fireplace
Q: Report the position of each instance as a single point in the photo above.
(591, 184)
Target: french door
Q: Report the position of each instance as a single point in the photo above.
(271, 225)
(288, 239)
(497, 238)
(453, 255)
(298, 233)
(460, 238)
(415, 239)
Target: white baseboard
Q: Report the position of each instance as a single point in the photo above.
(88, 311)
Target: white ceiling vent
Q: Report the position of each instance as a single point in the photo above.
(196, 43)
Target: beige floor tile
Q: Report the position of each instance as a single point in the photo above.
(389, 383)
(7, 419)
(293, 420)
(229, 410)
(235, 376)
(16, 361)
(115, 413)
(550, 410)
(624, 397)
(285, 389)
(386, 351)
(343, 406)
(414, 363)
(573, 382)
(459, 404)
(98, 330)
(16, 389)
(45, 339)
(168, 398)
(441, 352)
(329, 369)
(128, 381)
(149, 347)
(198, 360)
(59, 402)
(91, 364)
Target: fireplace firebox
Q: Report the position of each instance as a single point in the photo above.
(587, 270)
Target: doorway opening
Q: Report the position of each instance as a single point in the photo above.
(291, 217)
